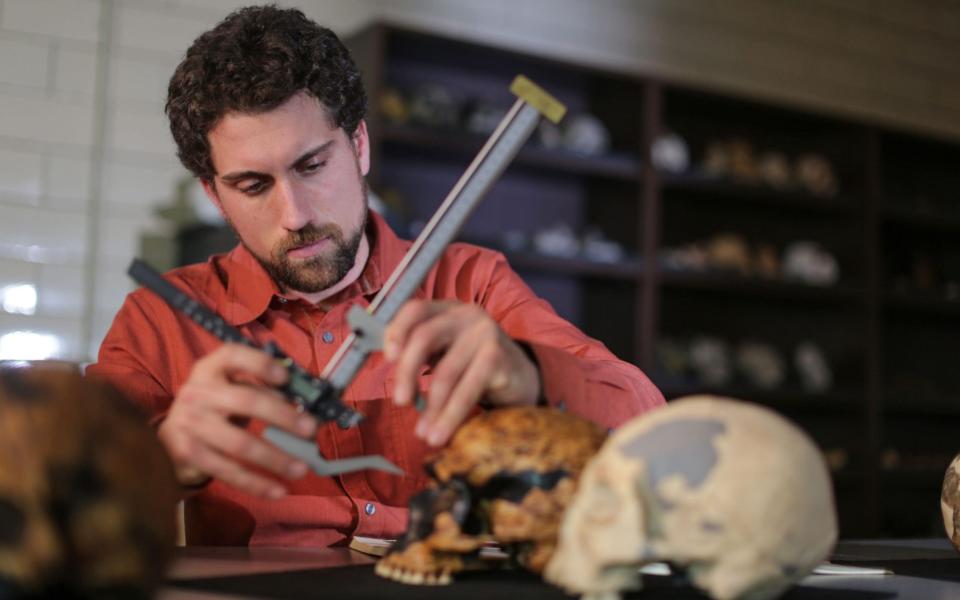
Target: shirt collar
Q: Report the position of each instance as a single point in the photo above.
(249, 288)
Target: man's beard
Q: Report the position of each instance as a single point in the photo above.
(319, 272)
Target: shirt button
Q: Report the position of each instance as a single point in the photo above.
(282, 300)
(370, 509)
(327, 337)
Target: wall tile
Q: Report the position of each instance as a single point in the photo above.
(76, 71)
(23, 63)
(140, 81)
(21, 174)
(67, 183)
(215, 6)
(158, 31)
(75, 19)
(60, 291)
(43, 236)
(141, 188)
(123, 242)
(45, 120)
(17, 271)
(140, 131)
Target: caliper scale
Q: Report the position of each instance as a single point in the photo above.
(321, 396)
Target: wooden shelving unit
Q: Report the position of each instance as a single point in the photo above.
(633, 304)
(891, 346)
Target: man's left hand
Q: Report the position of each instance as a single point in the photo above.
(475, 360)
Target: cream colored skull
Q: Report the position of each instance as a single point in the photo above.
(730, 491)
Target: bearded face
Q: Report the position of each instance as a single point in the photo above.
(291, 184)
(320, 271)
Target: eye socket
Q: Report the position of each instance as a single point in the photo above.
(312, 167)
(253, 189)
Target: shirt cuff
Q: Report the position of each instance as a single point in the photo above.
(561, 377)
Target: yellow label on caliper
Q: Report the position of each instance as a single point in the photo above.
(536, 97)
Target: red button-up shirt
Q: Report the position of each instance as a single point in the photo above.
(150, 350)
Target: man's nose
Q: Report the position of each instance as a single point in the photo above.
(294, 206)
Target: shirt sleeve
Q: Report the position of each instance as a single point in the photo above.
(578, 373)
(131, 358)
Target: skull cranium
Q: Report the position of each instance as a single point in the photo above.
(729, 491)
(87, 493)
(506, 477)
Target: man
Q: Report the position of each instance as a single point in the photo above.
(267, 111)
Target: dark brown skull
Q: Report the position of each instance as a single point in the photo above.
(506, 477)
(87, 493)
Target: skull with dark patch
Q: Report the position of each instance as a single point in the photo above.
(87, 493)
(506, 477)
(731, 493)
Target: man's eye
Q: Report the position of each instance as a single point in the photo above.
(311, 167)
(254, 188)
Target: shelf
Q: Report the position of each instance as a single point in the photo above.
(761, 195)
(926, 305)
(921, 219)
(533, 261)
(913, 477)
(612, 166)
(727, 283)
(922, 409)
(784, 399)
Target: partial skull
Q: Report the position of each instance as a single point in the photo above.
(506, 477)
(950, 502)
(87, 493)
(730, 492)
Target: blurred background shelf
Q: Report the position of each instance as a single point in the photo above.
(710, 188)
(616, 166)
(630, 270)
(782, 399)
(923, 218)
(733, 284)
(921, 303)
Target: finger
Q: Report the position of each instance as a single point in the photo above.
(412, 313)
(238, 443)
(236, 475)
(465, 395)
(447, 374)
(265, 404)
(427, 338)
(191, 454)
(237, 358)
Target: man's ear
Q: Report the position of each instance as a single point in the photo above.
(361, 144)
(210, 189)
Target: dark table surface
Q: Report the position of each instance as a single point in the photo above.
(924, 569)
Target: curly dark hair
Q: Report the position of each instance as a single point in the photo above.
(253, 61)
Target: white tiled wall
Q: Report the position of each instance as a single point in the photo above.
(67, 19)
(85, 154)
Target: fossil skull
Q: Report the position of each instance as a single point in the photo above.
(950, 502)
(87, 493)
(506, 477)
(730, 492)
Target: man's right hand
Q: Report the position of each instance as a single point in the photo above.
(201, 434)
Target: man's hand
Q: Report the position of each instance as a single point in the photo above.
(477, 361)
(200, 432)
